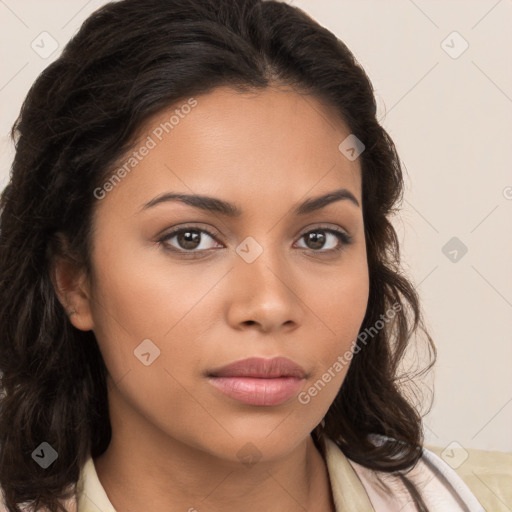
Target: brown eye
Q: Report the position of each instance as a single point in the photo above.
(188, 239)
(317, 239)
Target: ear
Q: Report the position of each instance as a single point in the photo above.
(71, 285)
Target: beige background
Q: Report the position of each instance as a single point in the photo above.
(450, 116)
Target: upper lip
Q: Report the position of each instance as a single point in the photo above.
(258, 367)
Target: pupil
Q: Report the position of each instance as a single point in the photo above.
(189, 239)
(318, 240)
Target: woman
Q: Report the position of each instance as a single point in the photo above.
(201, 300)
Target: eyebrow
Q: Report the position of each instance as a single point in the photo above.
(215, 205)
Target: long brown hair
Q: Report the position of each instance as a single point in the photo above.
(129, 60)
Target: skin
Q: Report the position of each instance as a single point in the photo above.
(175, 437)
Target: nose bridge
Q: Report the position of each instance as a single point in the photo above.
(260, 264)
(263, 291)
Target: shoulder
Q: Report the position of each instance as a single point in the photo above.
(439, 485)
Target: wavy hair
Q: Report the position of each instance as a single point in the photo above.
(129, 60)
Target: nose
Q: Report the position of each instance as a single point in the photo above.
(263, 295)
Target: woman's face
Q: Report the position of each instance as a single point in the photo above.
(168, 309)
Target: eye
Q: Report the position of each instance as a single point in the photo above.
(188, 239)
(317, 238)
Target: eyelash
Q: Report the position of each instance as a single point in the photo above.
(342, 236)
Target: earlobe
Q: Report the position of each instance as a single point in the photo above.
(73, 292)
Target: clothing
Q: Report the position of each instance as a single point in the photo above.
(355, 488)
(441, 488)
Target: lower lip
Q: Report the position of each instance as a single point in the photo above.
(253, 391)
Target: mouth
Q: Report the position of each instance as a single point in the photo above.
(258, 381)
(254, 391)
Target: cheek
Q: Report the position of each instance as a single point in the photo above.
(139, 297)
(342, 305)
(149, 326)
(342, 300)
(134, 291)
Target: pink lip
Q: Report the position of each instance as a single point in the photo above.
(258, 381)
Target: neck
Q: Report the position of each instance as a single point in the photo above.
(160, 473)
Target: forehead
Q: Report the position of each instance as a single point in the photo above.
(274, 144)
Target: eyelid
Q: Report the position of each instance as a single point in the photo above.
(326, 226)
(166, 233)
